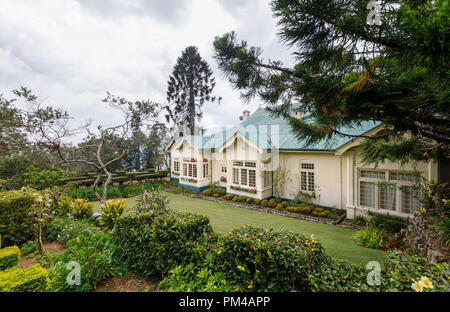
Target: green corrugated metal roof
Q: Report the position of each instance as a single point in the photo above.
(260, 126)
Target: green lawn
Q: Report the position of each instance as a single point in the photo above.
(337, 241)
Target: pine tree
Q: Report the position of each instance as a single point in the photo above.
(352, 67)
(189, 87)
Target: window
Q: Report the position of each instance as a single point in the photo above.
(235, 176)
(387, 197)
(190, 168)
(224, 169)
(176, 166)
(409, 199)
(395, 193)
(252, 178)
(307, 177)
(244, 175)
(205, 170)
(367, 194)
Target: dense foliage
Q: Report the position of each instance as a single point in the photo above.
(351, 70)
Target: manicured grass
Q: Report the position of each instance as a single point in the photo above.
(338, 242)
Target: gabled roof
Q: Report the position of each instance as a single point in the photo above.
(268, 131)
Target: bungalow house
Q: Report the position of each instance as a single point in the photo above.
(244, 160)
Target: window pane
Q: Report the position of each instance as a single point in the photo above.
(303, 181)
(235, 176)
(381, 175)
(244, 176)
(252, 178)
(387, 197)
(308, 166)
(367, 194)
(311, 181)
(250, 164)
(409, 199)
(185, 170)
(238, 163)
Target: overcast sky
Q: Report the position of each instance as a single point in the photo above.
(70, 53)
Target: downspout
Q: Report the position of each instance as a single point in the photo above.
(210, 163)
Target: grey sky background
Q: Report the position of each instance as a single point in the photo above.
(70, 53)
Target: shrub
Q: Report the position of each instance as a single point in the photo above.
(15, 223)
(317, 211)
(279, 207)
(242, 199)
(325, 214)
(111, 211)
(371, 237)
(265, 260)
(235, 198)
(229, 196)
(390, 224)
(264, 203)
(192, 279)
(153, 244)
(88, 193)
(305, 209)
(208, 191)
(249, 200)
(284, 204)
(63, 229)
(63, 205)
(81, 209)
(40, 179)
(219, 192)
(9, 257)
(359, 220)
(29, 247)
(257, 201)
(99, 256)
(273, 203)
(32, 279)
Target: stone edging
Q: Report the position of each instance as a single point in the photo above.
(268, 210)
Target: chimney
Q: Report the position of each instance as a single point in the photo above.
(298, 114)
(245, 115)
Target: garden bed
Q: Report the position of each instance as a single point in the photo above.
(267, 209)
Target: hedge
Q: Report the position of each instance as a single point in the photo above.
(32, 279)
(15, 223)
(155, 243)
(255, 259)
(9, 257)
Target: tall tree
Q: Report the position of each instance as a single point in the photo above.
(385, 61)
(189, 87)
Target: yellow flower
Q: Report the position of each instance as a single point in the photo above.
(78, 239)
(417, 286)
(426, 282)
(99, 253)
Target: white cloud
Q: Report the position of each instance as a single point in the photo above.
(72, 54)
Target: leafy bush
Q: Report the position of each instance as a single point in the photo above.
(15, 223)
(249, 200)
(359, 220)
(156, 243)
(265, 260)
(235, 198)
(273, 202)
(88, 193)
(9, 257)
(111, 211)
(99, 256)
(257, 201)
(264, 203)
(63, 229)
(371, 237)
(390, 224)
(208, 192)
(81, 209)
(317, 211)
(219, 192)
(325, 214)
(63, 205)
(152, 201)
(40, 179)
(189, 278)
(228, 196)
(32, 279)
(29, 247)
(279, 207)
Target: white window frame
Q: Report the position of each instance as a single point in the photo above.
(190, 168)
(241, 167)
(396, 183)
(307, 171)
